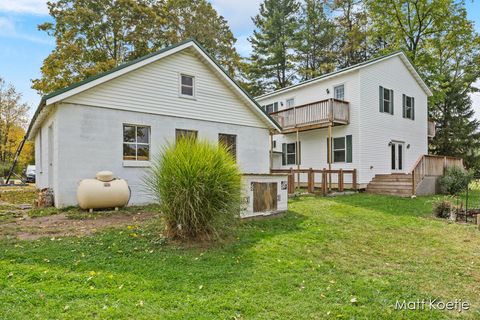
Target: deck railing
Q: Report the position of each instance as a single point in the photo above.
(431, 129)
(432, 165)
(325, 180)
(324, 111)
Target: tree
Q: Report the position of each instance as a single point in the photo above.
(445, 48)
(316, 40)
(95, 36)
(352, 26)
(273, 42)
(13, 118)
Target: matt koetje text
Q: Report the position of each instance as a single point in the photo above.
(432, 304)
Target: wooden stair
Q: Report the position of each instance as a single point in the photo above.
(395, 184)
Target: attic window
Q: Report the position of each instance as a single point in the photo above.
(187, 85)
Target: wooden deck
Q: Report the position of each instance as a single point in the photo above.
(313, 115)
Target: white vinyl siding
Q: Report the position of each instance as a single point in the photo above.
(154, 89)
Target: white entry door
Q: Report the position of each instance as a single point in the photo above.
(397, 151)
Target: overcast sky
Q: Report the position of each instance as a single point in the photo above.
(23, 47)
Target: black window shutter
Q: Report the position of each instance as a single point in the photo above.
(404, 104)
(391, 105)
(349, 149)
(380, 98)
(413, 108)
(284, 154)
(298, 149)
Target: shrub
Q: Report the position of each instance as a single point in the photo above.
(454, 180)
(443, 207)
(198, 186)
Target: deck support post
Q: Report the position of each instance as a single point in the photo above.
(330, 155)
(297, 156)
(271, 151)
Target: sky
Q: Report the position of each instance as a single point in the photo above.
(23, 47)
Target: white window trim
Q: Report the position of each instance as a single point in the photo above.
(406, 107)
(390, 101)
(290, 153)
(138, 163)
(194, 87)
(339, 85)
(344, 149)
(40, 150)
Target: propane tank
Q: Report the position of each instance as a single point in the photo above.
(105, 191)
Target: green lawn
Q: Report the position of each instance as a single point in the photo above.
(348, 257)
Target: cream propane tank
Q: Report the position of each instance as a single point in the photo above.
(104, 191)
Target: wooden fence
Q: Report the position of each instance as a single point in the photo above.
(325, 181)
(432, 165)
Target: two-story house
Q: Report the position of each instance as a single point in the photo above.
(375, 114)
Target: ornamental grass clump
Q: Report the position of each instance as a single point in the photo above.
(198, 186)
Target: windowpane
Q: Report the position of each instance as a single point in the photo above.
(187, 81)
(291, 158)
(290, 103)
(128, 133)
(182, 133)
(386, 106)
(339, 156)
(230, 142)
(188, 91)
(291, 148)
(386, 94)
(339, 143)
(136, 145)
(143, 153)
(339, 92)
(142, 135)
(129, 152)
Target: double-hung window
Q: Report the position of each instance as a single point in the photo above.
(187, 85)
(408, 107)
(290, 103)
(386, 100)
(339, 92)
(136, 142)
(341, 149)
(272, 107)
(229, 141)
(289, 153)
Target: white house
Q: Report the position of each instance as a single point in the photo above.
(377, 112)
(119, 120)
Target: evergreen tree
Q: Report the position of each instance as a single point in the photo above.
(316, 40)
(352, 25)
(273, 42)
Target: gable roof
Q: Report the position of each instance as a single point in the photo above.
(399, 54)
(100, 78)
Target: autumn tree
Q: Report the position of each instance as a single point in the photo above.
(273, 44)
(95, 36)
(13, 119)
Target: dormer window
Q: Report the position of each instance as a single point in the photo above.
(187, 85)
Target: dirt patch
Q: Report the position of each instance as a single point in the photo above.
(60, 225)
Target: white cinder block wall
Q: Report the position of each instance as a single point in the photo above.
(92, 140)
